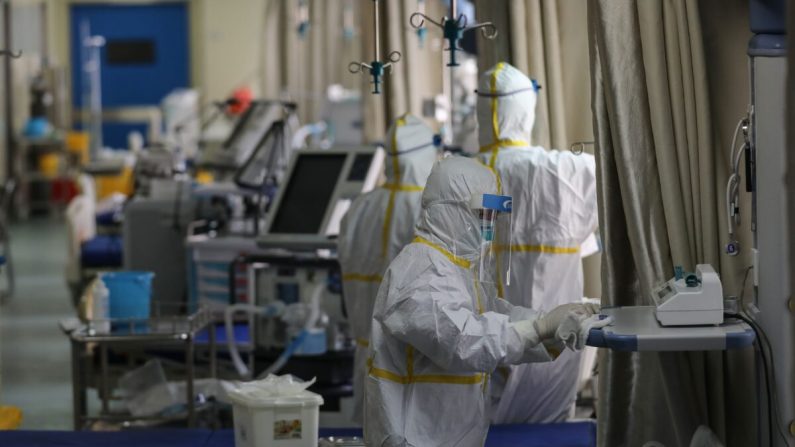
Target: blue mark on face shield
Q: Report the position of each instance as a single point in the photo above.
(497, 202)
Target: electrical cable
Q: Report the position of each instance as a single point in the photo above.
(766, 374)
(768, 366)
(734, 179)
(770, 377)
(761, 336)
(745, 281)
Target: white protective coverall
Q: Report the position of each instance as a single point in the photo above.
(377, 226)
(438, 333)
(556, 212)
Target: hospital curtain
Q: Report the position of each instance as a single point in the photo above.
(790, 120)
(659, 168)
(418, 75)
(300, 68)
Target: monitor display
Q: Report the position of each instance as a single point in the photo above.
(254, 173)
(306, 196)
(251, 129)
(360, 168)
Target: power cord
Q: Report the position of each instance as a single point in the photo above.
(768, 366)
(771, 388)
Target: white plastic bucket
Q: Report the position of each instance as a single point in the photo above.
(277, 421)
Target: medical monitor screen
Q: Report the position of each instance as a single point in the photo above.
(254, 173)
(307, 194)
(360, 168)
(252, 128)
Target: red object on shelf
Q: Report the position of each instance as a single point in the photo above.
(243, 97)
(63, 190)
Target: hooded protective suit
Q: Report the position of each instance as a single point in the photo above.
(377, 226)
(556, 212)
(437, 332)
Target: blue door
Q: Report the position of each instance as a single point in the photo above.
(144, 58)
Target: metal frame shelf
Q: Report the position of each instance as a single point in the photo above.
(158, 332)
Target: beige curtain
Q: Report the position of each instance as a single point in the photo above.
(301, 69)
(660, 170)
(790, 120)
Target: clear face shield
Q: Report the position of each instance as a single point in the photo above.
(493, 214)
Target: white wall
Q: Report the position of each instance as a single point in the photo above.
(226, 47)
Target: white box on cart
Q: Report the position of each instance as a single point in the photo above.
(278, 421)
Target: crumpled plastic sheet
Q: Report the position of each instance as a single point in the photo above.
(271, 386)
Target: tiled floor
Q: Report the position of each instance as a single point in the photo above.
(35, 362)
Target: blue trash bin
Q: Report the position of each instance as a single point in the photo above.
(130, 296)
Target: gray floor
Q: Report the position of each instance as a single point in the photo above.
(35, 362)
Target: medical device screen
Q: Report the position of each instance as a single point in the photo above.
(255, 171)
(251, 129)
(360, 168)
(307, 194)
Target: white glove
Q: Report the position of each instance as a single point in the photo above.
(573, 331)
(527, 332)
(547, 325)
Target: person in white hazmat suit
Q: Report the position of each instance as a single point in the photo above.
(377, 226)
(439, 331)
(558, 213)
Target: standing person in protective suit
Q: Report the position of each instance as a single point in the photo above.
(377, 226)
(558, 212)
(439, 330)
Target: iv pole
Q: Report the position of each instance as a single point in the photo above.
(377, 68)
(453, 29)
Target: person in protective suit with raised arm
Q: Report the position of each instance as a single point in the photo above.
(558, 213)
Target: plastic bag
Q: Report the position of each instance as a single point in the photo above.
(146, 391)
(271, 386)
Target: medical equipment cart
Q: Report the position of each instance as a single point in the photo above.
(171, 334)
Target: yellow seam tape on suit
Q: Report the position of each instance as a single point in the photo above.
(362, 342)
(548, 249)
(391, 203)
(428, 378)
(402, 187)
(477, 293)
(503, 143)
(495, 126)
(463, 263)
(423, 378)
(361, 277)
